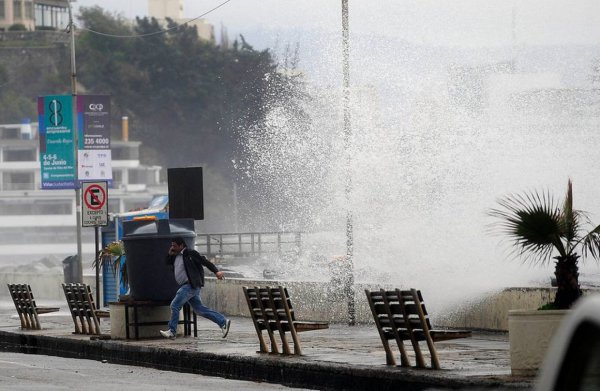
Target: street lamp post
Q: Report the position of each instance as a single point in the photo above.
(75, 142)
(349, 280)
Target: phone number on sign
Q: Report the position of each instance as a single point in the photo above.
(96, 141)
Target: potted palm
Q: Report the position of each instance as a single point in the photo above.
(111, 255)
(543, 230)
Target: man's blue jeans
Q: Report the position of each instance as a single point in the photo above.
(184, 294)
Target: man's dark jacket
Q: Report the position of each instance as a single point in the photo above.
(193, 262)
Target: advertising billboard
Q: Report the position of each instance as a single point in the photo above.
(57, 152)
(94, 157)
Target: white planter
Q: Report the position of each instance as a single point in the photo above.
(529, 334)
(145, 314)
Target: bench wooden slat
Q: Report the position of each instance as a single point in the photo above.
(401, 315)
(46, 310)
(271, 310)
(258, 318)
(445, 335)
(83, 309)
(390, 323)
(27, 309)
(102, 313)
(310, 325)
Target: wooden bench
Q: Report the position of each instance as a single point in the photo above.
(86, 317)
(26, 308)
(271, 310)
(401, 315)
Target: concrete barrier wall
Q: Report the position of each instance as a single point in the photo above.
(311, 300)
(320, 300)
(46, 286)
(491, 312)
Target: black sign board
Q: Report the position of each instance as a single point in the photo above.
(186, 199)
(95, 110)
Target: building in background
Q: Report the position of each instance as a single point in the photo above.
(173, 9)
(34, 14)
(54, 15)
(36, 223)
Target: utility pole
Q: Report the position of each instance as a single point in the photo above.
(349, 280)
(75, 142)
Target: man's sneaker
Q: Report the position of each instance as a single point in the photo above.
(225, 328)
(167, 334)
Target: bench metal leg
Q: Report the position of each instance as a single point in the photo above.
(284, 342)
(297, 349)
(186, 320)
(261, 342)
(435, 362)
(126, 321)
(195, 324)
(136, 322)
(389, 356)
(274, 347)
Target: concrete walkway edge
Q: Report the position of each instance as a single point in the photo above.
(266, 368)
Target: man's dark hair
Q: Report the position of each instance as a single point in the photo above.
(179, 240)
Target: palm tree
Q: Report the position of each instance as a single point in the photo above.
(540, 228)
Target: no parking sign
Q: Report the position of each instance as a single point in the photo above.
(95, 204)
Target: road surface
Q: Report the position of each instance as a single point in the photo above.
(37, 372)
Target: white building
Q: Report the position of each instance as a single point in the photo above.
(35, 223)
(173, 9)
(34, 14)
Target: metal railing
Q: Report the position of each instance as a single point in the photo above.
(248, 243)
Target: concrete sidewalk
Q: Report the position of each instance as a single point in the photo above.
(341, 357)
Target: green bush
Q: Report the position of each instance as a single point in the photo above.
(17, 27)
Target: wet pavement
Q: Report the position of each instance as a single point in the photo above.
(341, 357)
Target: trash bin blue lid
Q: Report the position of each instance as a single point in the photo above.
(165, 228)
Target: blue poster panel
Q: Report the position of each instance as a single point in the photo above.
(57, 151)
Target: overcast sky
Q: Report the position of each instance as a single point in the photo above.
(466, 23)
(382, 30)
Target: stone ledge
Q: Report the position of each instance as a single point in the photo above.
(289, 371)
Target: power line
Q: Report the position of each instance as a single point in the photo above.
(155, 32)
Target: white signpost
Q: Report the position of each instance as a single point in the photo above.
(95, 214)
(95, 204)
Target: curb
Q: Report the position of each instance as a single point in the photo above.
(287, 371)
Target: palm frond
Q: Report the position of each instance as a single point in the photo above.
(532, 221)
(111, 256)
(568, 216)
(537, 226)
(591, 244)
